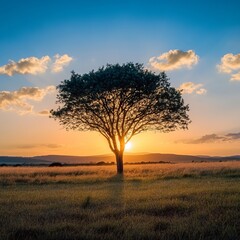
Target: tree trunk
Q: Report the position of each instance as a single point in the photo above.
(119, 160)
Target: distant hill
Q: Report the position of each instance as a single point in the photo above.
(128, 158)
(133, 158)
(22, 161)
(76, 159)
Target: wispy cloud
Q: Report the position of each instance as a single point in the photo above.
(174, 59)
(44, 112)
(33, 65)
(60, 62)
(30, 146)
(207, 139)
(233, 136)
(190, 87)
(213, 138)
(236, 77)
(230, 64)
(18, 100)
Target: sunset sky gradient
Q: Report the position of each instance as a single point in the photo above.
(197, 43)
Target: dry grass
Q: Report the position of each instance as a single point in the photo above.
(162, 201)
(78, 174)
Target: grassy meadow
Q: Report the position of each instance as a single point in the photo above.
(155, 201)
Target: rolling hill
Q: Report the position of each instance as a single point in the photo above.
(22, 160)
(128, 158)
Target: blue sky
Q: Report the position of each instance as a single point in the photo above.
(89, 34)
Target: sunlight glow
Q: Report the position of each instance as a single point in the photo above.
(128, 146)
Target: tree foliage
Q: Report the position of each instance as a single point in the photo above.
(120, 101)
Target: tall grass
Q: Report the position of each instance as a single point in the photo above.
(78, 174)
(175, 201)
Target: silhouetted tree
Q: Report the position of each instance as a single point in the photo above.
(120, 101)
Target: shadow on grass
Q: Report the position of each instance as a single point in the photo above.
(117, 178)
(86, 203)
(116, 191)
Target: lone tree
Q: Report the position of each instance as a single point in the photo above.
(120, 101)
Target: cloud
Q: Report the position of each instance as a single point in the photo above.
(30, 146)
(18, 100)
(174, 59)
(190, 87)
(233, 136)
(230, 64)
(33, 65)
(60, 62)
(207, 139)
(44, 112)
(201, 91)
(235, 77)
(212, 138)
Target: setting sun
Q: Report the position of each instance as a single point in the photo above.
(128, 146)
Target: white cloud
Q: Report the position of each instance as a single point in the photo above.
(235, 77)
(190, 87)
(174, 59)
(60, 62)
(201, 91)
(230, 64)
(18, 100)
(33, 65)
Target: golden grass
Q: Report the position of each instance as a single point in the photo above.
(161, 201)
(12, 175)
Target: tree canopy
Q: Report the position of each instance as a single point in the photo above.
(120, 101)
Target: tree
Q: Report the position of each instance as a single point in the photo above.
(120, 101)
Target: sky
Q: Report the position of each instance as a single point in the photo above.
(197, 44)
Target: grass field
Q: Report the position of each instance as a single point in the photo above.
(160, 201)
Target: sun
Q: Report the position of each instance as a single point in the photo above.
(128, 146)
